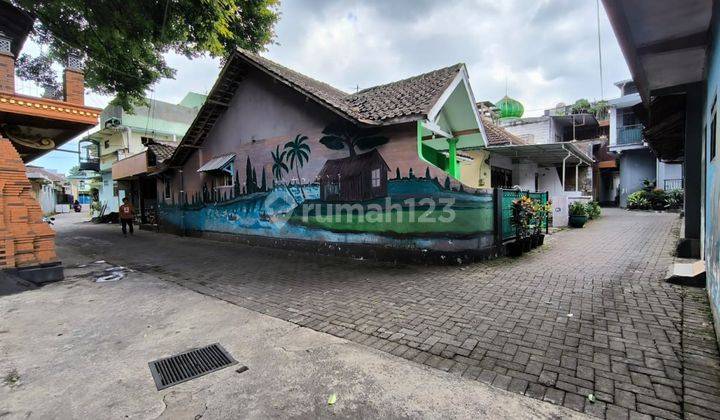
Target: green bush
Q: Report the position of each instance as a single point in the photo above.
(638, 200)
(657, 199)
(577, 208)
(675, 198)
(593, 209)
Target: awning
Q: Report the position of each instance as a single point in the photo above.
(549, 154)
(217, 163)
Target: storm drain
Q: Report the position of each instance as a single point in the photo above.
(189, 365)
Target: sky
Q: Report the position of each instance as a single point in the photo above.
(541, 52)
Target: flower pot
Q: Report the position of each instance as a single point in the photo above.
(541, 239)
(526, 244)
(534, 240)
(577, 221)
(514, 249)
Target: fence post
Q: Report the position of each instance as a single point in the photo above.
(497, 198)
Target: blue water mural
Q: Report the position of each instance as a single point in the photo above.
(277, 214)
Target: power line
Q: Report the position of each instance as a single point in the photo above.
(597, 9)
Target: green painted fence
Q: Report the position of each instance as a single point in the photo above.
(506, 198)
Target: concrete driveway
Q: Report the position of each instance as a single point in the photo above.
(587, 314)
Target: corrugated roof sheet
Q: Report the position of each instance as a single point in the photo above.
(217, 163)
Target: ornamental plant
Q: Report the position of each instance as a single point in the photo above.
(577, 208)
(593, 210)
(522, 215)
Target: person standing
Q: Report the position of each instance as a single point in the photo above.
(127, 212)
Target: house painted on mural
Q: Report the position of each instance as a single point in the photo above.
(636, 161)
(673, 52)
(272, 152)
(123, 134)
(49, 188)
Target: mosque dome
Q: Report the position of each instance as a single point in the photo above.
(509, 108)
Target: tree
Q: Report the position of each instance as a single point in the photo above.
(123, 43)
(338, 136)
(297, 153)
(263, 185)
(279, 165)
(427, 173)
(75, 170)
(581, 106)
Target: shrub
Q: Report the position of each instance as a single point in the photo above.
(675, 198)
(593, 209)
(657, 199)
(638, 200)
(577, 208)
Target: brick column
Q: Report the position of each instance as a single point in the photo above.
(74, 87)
(25, 240)
(7, 73)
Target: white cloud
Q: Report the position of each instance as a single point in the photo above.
(546, 50)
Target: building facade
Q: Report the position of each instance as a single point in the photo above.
(637, 163)
(124, 134)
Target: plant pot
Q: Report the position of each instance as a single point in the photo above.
(526, 244)
(541, 239)
(534, 241)
(577, 221)
(514, 249)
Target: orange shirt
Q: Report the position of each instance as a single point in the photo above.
(127, 211)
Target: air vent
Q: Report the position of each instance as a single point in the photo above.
(189, 365)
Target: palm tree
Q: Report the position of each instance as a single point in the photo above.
(297, 153)
(279, 165)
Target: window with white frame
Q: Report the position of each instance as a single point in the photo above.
(375, 178)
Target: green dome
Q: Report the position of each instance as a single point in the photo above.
(510, 108)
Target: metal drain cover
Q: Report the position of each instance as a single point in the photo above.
(189, 365)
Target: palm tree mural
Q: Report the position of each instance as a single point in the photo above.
(338, 136)
(297, 152)
(279, 165)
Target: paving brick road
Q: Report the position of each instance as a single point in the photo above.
(587, 313)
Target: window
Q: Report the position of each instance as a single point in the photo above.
(332, 189)
(107, 144)
(375, 178)
(713, 132)
(224, 176)
(167, 187)
(500, 177)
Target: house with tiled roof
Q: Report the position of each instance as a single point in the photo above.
(48, 187)
(273, 155)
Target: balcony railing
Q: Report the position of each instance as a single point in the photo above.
(673, 184)
(629, 134)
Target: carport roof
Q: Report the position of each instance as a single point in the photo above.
(549, 154)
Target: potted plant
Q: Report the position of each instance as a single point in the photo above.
(520, 220)
(578, 214)
(541, 212)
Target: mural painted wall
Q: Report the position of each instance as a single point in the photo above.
(712, 184)
(299, 172)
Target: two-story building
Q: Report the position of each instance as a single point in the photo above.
(124, 134)
(636, 161)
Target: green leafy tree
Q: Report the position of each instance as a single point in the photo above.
(279, 167)
(338, 136)
(75, 170)
(581, 106)
(123, 42)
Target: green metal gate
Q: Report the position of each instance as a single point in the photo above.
(505, 198)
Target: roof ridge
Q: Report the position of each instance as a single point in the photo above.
(254, 56)
(407, 79)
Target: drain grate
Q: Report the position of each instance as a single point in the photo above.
(189, 365)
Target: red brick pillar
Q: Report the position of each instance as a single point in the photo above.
(74, 87)
(25, 240)
(7, 73)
